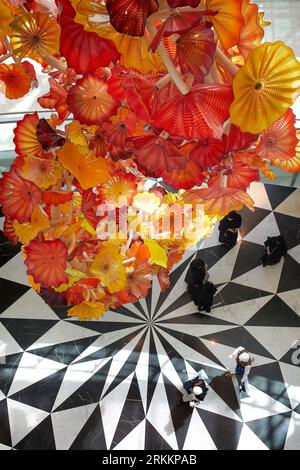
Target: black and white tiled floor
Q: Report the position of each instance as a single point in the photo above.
(114, 383)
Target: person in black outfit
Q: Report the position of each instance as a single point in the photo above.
(200, 289)
(208, 291)
(276, 248)
(228, 228)
(194, 279)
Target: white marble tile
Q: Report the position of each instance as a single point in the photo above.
(215, 404)
(291, 205)
(189, 353)
(159, 414)
(14, 270)
(111, 408)
(277, 340)
(295, 253)
(259, 195)
(198, 438)
(3, 447)
(259, 405)
(249, 440)
(104, 340)
(222, 352)
(266, 228)
(135, 440)
(263, 278)
(62, 332)
(120, 359)
(197, 330)
(240, 312)
(76, 375)
(166, 366)
(7, 343)
(141, 371)
(30, 306)
(31, 369)
(1, 223)
(292, 299)
(23, 419)
(68, 423)
(221, 272)
(291, 377)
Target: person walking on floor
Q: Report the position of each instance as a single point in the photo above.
(228, 228)
(276, 247)
(243, 366)
(195, 392)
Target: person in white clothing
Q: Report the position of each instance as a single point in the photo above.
(243, 366)
(194, 398)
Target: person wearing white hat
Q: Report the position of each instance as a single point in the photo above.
(196, 395)
(243, 366)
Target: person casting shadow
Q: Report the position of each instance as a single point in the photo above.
(276, 247)
(228, 228)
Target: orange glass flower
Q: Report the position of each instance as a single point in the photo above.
(279, 141)
(119, 185)
(34, 35)
(228, 21)
(139, 280)
(25, 139)
(88, 169)
(46, 262)
(18, 197)
(16, 80)
(265, 87)
(41, 171)
(89, 100)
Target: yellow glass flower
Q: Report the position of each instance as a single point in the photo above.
(119, 189)
(157, 254)
(265, 87)
(108, 267)
(41, 171)
(34, 35)
(77, 137)
(146, 202)
(87, 310)
(28, 231)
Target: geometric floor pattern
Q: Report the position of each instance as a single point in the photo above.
(114, 383)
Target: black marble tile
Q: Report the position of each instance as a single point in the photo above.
(289, 227)
(248, 258)
(111, 349)
(290, 275)
(7, 249)
(128, 367)
(27, 332)
(234, 293)
(275, 313)
(153, 371)
(132, 414)
(239, 337)
(268, 378)
(174, 276)
(224, 387)
(277, 194)
(89, 392)
(5, 437)
(225, 432)
(91, 436)
(250, 219)
(194, 343)
(8, 368)
(272, 431)
(181, 301)
(153, 440)
(40, 438)
(10, 292)
(41, 394)
(65, 353)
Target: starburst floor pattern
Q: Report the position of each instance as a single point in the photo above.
(114, 383)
